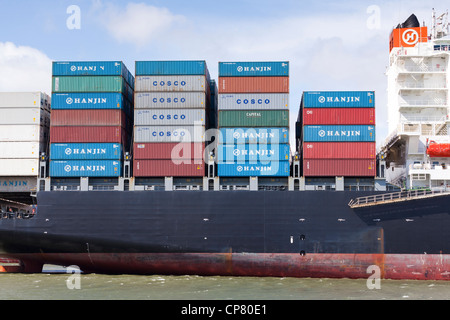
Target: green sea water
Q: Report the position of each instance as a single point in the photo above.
(61, 286)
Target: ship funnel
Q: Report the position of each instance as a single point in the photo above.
(411, 22)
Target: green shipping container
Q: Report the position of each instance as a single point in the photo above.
(258, 118)
(91, 84)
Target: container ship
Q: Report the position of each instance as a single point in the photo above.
(172, 172)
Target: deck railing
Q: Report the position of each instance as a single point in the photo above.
(396, 196)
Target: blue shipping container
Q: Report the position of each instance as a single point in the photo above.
(254, 135)
(166, 68)
(254, 169)
(242, 153)
(254, 69)
(93, 68)
(339, 133)
(85, 151)
(338, 99)
(101, 100)
(86, 168)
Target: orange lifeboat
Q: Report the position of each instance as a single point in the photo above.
(438, 150)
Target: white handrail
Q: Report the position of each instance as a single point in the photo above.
(422, 85)
(423, 68)
(405, 195)
(434, 102)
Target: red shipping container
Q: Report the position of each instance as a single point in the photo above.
(253, 84)
(88, 118)
(339, 116)
(167, 168)
(167, 151)
(340, 168)
(339, 150)
(83, 134)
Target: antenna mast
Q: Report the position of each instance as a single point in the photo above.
(440, 25)
(433, 24)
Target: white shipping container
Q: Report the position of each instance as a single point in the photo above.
(260, 101)
(30, 133)
(171, 84)
(24, 99)
(18, 184)
(170, 100)
(19, 167)
(164, 117)
(21, 150)
(24, 116)
(150, 134)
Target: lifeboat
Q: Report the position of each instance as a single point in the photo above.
(438, 150)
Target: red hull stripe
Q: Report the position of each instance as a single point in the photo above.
(353, 266)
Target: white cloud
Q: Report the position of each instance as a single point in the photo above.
(327, 50)
(138, 24)
(24, 69)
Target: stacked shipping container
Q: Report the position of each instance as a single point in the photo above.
(24, 131)
(172, 104)
(91, 119)
(337, 136)
(253, 119)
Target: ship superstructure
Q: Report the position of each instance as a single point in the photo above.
(418, 104)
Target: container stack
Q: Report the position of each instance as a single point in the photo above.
(338, 134)
(172, 104)
(253, 119)
(213, 112)
(24, 132)
(91, 122)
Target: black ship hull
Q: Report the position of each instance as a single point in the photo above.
(241, 233)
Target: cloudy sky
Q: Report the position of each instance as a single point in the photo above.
(331, 45)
